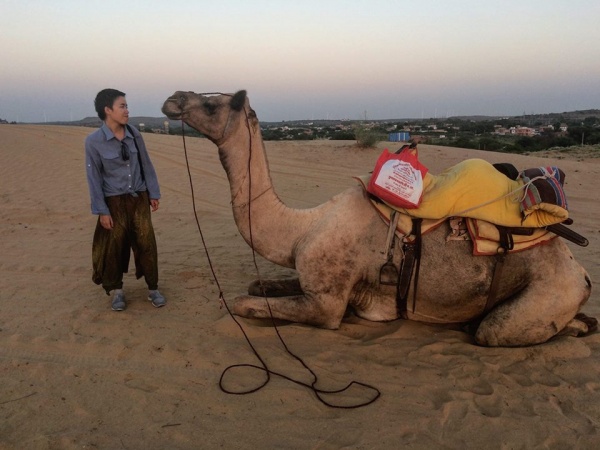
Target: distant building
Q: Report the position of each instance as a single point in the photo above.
(525, 131)
(400, 136)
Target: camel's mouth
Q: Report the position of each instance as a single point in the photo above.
(171, 109)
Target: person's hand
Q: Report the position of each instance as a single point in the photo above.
(106, 221)
(154, 204)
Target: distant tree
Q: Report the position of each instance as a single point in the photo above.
(343, 135)
(490, 143)
(464, 142)
(563, 141)
(584, 135)
(527, 143)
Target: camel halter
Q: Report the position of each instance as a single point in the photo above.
(263, 367)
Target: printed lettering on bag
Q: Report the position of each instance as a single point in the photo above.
(401, 179)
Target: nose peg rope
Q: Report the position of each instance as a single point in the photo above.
(223, 302)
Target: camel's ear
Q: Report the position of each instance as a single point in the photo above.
(238, 100)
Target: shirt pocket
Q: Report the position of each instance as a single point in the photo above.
(112, 159)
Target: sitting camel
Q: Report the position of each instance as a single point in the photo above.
(336, 249)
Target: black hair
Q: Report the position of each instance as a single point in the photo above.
(106, 98)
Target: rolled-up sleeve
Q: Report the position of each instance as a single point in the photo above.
(93, 166)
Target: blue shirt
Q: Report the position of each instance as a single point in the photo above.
(109, 175)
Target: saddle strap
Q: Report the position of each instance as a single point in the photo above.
(411, 259)
(492, 294)
(506, 244)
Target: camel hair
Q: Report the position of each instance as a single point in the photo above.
(336, 250)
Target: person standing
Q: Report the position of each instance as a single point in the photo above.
(123, 189)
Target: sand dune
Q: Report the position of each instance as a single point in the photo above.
(74, 374)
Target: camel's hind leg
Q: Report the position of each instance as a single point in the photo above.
(538, 313)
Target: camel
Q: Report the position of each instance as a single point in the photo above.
(336, 250)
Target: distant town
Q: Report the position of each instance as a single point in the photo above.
(516, 134)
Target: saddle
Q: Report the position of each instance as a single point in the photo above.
(488, 238)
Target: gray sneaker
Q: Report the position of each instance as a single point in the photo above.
(118, 302)
(157, 299)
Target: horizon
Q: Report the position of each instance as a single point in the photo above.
(594, 111)
(337, 60)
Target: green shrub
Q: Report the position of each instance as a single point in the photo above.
(366, 138)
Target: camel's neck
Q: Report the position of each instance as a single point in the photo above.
(269, 226)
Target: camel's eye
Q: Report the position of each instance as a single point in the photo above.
(210, 108)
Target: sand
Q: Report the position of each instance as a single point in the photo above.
(74, 374)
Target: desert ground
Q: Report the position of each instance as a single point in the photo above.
(74, 374)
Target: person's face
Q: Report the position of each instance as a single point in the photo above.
(119, 112)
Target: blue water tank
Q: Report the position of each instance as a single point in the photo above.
(400, 136)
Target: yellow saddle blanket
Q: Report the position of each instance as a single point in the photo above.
(474, 188)
(484, 235)
(479, 197)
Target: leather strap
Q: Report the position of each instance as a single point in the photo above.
(138, 153)
(492, 294)
(412, 258)
(564, 232)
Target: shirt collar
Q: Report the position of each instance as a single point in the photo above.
(108, 134)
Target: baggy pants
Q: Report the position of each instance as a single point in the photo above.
(132, 230)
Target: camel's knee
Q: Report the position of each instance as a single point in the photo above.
(250, 307)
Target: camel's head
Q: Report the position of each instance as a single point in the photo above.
(214, 115)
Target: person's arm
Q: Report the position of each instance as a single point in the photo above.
(93, 167)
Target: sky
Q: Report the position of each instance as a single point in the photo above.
(302, 59)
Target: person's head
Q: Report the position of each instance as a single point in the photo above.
(106, 98)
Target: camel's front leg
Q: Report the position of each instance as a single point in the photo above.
(275, 288)
(323, 311)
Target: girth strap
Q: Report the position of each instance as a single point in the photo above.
(388, 274)
(492, 294)
(506, 244)
(410, 261)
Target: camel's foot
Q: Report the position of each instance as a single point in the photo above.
(580, 325)
(275, 288)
